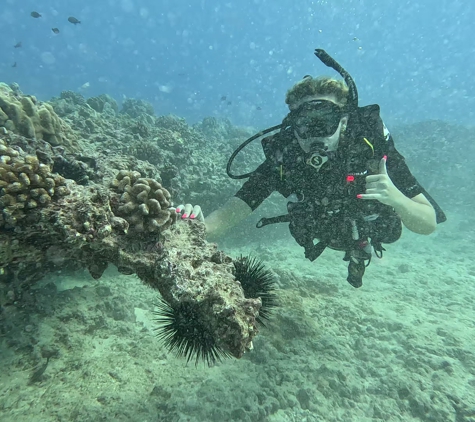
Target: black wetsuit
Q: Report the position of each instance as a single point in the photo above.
(299, 176)
(326, 203)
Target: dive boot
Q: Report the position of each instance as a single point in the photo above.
(356, 269)
(356, 266)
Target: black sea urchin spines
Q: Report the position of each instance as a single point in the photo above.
(185, 335)
(257, 281)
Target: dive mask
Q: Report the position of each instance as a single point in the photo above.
(316, 119)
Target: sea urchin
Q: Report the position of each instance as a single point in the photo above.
(185, 335)
(256, 281)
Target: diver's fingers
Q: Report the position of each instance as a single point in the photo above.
(373, 178)
(184, 210)
(196, 213)
(381, 186)
(372, 191)
(382, 165)
(374, 185)
(187, 211)
(376, 196)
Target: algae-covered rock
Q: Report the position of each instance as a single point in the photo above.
(73, 97)
(136, 108)
(102, 102)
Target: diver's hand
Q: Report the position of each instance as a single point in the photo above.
(190, 211)
(380, 187)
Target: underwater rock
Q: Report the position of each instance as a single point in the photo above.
(73, 97)
(136, 108)
(128, 225)
(100, 102)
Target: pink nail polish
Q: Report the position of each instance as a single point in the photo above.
(192, 216)
(359, 196)
(178, 210)
(385, 158)
(184, 215)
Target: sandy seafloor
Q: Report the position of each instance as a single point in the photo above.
(401, 348)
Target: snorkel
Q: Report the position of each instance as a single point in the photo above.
(329, 61)
(350, 108)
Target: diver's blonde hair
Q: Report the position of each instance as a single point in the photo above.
(323, 85)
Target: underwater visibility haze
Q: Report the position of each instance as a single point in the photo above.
(116, 307)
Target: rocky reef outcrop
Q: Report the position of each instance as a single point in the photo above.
(84, 199)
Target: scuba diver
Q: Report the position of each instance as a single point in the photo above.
(348, 187)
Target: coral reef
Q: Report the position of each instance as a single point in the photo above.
(25, 115)
(50, 223)
(25, 184)
(108, 202)
(143, 202)
(73, 97)
(136, 108)
(190, 160)
(103, 103)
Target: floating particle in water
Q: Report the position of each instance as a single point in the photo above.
(35, 15)
(55, 30)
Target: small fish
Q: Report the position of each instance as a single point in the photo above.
(355, 39)
(17, 45)
(223, 98)
(258, 108)
(55, 30)
(73, 20)
(35, 15)
(229, 102)
(14, 64)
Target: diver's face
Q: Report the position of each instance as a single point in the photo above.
(332, 119)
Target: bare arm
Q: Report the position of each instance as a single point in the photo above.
(417, 214)
(226, 217)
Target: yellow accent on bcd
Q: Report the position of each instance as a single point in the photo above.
(370, 145)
